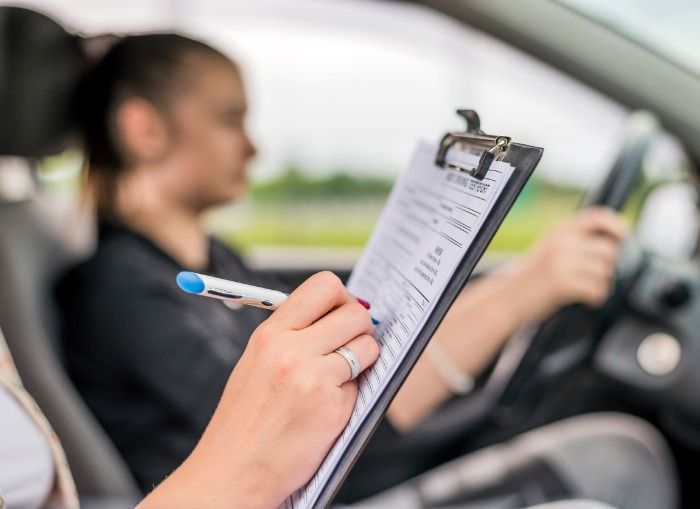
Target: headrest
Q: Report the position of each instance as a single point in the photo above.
(40, 65)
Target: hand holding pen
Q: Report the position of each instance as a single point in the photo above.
(286, 402)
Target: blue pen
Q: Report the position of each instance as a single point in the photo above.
(231, 291)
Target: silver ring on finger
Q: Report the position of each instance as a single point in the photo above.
(351, 359)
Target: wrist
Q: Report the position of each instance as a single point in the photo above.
(538, 300)
(211, 481)
(224, 469)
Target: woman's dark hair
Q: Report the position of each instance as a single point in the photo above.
(153, 67)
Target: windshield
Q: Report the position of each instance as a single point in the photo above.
(667, 28)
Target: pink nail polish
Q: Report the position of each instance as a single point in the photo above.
(364, 303)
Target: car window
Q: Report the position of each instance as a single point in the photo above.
(340, 91)
(670, 30)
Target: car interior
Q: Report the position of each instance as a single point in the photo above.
(639, 353)
(33, 251)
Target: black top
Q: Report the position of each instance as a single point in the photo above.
(150, 360)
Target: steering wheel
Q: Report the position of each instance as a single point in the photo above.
(542, 354)
(568, 337)
(619, 183)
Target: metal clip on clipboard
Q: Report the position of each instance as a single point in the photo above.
(491, 147)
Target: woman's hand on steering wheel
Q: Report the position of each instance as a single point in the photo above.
(574, 263)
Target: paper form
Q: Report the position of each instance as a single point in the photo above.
(426, 227)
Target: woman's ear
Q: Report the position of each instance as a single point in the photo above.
(141, 132)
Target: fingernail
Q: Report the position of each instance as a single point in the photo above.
(364, 303)
(375, 321)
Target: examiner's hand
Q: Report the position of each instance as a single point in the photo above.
(574, 263)
(285, 403)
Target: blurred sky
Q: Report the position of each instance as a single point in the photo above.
(352, 84)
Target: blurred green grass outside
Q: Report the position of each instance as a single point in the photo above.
(341, 209)
(348, 220)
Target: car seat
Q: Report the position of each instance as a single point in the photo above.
(40, 64)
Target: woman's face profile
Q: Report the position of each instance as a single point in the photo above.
(210, 148)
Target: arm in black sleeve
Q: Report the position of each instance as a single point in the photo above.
(177, 347)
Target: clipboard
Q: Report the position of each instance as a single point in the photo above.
(489, 148)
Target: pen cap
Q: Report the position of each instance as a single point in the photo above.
(190, 282)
